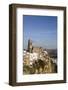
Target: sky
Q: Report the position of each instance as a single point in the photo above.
(42, 30)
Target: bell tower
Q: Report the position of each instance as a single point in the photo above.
(30, 46)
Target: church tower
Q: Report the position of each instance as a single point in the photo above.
(30, 46)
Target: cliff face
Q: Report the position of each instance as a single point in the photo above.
(37, 61)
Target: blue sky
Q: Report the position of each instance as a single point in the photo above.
(42, 30)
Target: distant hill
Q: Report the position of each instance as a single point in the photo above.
(52, 53)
